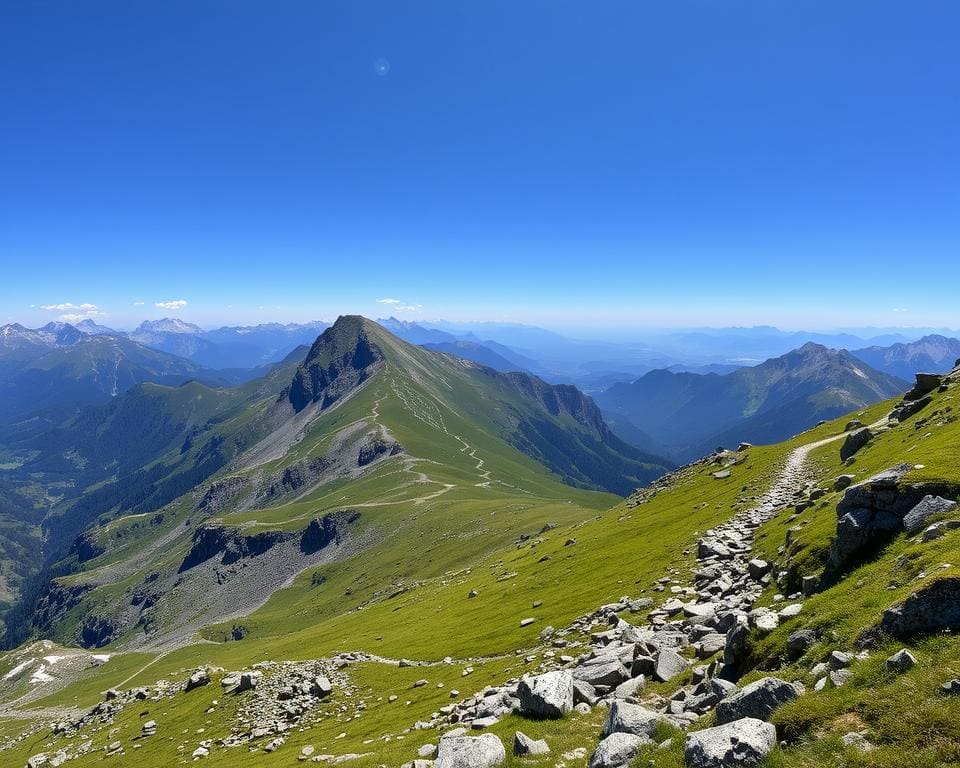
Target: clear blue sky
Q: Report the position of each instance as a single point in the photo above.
(566, 163)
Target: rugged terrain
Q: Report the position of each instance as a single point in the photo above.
(782, 605)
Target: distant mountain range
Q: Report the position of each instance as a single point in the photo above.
(57, 368)
(931, 354)
(687, 414)
(235, 347)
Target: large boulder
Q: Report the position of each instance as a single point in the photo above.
(616, 750)
(605, 671)
(916, 518)
(758, 700)
(470, 752)
(669, 664)
(631, 718)
(548, 695)
(933, 608)
(740, 744)
(854, 442)
(872, 509)
(926, 383)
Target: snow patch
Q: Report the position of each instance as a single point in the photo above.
(51, 660)
(101, 657)
(41, 676)
(18, 669)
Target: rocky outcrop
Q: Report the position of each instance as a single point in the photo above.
(96, 631)
(229, 544)
(873, 510)
(86, 547)
(326, 530)
(929, 506)
(220, 493)
(934, 608)
(376, 449)
(340, 360)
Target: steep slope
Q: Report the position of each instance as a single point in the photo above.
(931, 354)
(450, 615)
(688, 413)
(363, 421)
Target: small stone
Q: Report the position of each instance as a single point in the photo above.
(901, 661)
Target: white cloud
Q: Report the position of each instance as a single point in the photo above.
(398, 305)
(900, 309)
(138, 303)
(69, 305)
(174, 304)
(74, 313)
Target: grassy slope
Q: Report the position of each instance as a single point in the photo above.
(440, 549)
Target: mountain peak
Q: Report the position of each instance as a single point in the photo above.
(343, 357)
(168, 325)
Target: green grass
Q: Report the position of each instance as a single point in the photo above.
(406, 595)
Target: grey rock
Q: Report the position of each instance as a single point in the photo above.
(839, 660)
(843, 482)
(548, 695)
(584, 693)
(604, 671)
(925, 384)
(523, 745)
(741, 744)
(759, 699)
(840, 677)
(471, 752)
(854, 442)
(631, 718)
(950, 688)
(321, 687)
(857, 741)
(929, 506)
(616, 750)
(629, 688)
(199, 678)
(933, 608)
(908, 408)
(901, 661)
(669, 665)
(800, 641)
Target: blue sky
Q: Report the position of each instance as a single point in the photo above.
(572, 164)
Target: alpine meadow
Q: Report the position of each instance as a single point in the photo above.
(480, 385)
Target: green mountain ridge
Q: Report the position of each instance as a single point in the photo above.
(281, 438)
(387, 536)
(690, 414)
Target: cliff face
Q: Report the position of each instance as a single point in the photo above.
(342, 358)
